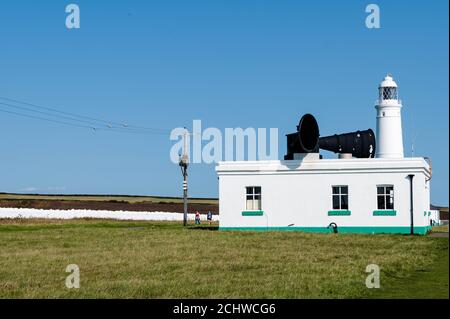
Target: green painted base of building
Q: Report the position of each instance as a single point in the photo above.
(422, 230)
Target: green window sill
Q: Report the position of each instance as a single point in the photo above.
(339, 213)
(252, 213)
(384, 213)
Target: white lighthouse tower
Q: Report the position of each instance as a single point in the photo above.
(389, 121)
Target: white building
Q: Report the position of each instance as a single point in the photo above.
(386, 194)
(434, 217)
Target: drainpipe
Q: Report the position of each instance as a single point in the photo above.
(411, 177)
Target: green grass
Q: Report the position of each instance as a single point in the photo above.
(165, 260)
(119, 198)
(440, 229)
(426, 282)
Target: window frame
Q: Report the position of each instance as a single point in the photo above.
(386, 197)
(254, 194)
(339, 195)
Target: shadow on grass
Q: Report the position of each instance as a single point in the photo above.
(210, 228)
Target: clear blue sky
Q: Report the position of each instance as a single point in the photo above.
(229, 63)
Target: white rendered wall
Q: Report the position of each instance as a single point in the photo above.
(301, 195)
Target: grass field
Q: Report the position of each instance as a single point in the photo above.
(440, 229)
(165, 260)
(118, 198)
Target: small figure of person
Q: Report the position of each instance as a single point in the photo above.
(197, 218)
(209, 217)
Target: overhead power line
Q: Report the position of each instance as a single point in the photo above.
(80, 125)
(73, 119)
(45, 119)
(92, 123)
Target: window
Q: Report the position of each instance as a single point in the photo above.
(253, 201)
(388, 93)
(385, 197)
(340, 197)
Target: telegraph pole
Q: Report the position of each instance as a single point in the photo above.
(184, 163)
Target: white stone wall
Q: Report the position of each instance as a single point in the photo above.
(29, 213)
